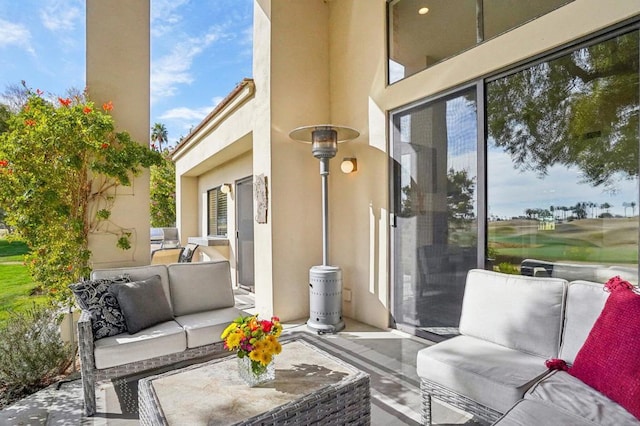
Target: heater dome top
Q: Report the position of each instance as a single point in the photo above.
(305, 133)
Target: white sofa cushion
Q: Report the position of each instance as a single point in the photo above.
(493, 375)
(204, 328)
(572, 395)
(585, 301)
(519, 312)
(137, 273)
(531, 412)
(162, 339)
(200, 287)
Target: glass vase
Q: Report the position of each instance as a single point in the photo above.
(252, 378)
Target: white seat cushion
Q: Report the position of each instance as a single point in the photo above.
(200, 287)
(515, 311)
(585, 301)
(538, 413)
(571, 395)
(490, 374)
(162, 339)
(204, 328)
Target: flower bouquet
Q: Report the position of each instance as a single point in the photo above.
(256, 342)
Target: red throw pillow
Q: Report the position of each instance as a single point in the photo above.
(609, 360)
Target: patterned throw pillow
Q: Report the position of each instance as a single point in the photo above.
(94, 297)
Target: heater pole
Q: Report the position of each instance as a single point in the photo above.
(324, 173)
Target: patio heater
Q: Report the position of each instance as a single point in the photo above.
(325, 281)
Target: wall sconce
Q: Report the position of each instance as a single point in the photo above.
(349, 165)
(225, 188)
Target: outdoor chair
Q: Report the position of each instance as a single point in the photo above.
(186, 256)
(166, 256)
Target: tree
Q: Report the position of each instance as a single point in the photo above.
(158, 135)
(163, 193)
(577, 110)
(60, 164)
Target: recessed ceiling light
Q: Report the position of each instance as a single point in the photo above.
(423, 10)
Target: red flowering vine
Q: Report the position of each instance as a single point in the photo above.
(87, 110)
(64, 102)
(107, 106)
(29, 122)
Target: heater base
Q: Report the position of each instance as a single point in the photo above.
(325, 299)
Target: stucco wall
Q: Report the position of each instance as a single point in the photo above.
(118, 70)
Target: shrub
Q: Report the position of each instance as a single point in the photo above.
(61, 163)
(32, 353)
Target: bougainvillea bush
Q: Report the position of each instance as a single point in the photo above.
(61, 160)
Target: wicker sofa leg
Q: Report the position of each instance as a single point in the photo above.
(89, 391)
(87, 363)
(426, 409)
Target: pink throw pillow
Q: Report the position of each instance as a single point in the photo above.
(609, 360)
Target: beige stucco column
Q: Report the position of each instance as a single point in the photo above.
(118, 70)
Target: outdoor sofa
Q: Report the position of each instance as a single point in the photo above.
(187, 304)
(497, 369)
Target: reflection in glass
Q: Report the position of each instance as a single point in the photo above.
(418, 41)
(562, 162)
(435, 240)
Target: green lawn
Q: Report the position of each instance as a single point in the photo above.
(12, 251)
(16, 286)
(606, 241)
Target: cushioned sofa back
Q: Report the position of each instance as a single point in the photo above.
(585, 301)
(519, 312)
(137, 273)
(198, 287)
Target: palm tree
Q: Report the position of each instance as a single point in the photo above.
(158, 135)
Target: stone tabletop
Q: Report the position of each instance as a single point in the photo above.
(213, 393)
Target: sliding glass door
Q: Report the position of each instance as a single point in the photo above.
(435, 239)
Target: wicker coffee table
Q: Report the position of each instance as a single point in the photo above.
(311, 387)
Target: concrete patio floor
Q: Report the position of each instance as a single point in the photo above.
(388, 356)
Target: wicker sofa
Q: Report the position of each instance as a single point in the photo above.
(495, 370)
(200, 296)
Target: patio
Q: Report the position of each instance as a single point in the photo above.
(388, 356)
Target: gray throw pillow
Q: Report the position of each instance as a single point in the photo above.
(143, 303)
(93, 296)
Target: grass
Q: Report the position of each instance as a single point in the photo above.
(600, 241)
(12, 251)
(16, 285)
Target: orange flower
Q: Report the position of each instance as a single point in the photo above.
(108, 106)
(4, 163)
(65, 102)
(104, 145)
(87, 110)
(30, 122)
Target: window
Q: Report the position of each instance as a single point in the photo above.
(217, 213)
(562, 161)
(540, 176)
(420, 32)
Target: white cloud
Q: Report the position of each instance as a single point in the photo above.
(174, 68)
(164, 16)
(61, 15)
(15, 35)
(187, 114)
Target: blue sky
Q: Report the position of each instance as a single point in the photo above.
(200, 50)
